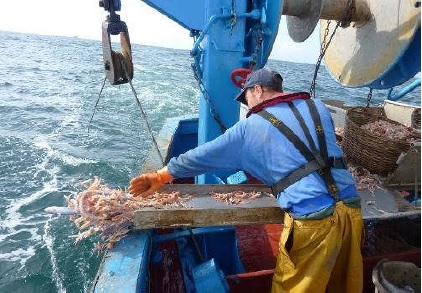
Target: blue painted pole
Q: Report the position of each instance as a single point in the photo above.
(223, 42)
(407, 89)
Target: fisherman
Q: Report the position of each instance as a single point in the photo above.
(288, 142)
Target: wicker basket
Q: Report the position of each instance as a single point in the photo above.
(376, 153)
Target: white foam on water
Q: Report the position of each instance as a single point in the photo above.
(57, 154)
(41, 143)
(73, 118)
(74, 161)
(20, 254)
(49, 241)
(16, 222)
(12, 216)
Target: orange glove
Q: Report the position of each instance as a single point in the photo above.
(146, 184)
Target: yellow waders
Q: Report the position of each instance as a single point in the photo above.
(325, 255)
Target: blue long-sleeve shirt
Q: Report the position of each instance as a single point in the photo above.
(255, 146)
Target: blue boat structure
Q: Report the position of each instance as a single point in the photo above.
(233, 248)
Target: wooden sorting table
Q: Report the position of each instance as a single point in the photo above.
(204, 210)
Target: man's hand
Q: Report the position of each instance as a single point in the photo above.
(146, 184)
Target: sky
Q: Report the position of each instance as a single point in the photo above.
(83, 19)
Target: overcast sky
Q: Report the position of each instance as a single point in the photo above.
(83, 18)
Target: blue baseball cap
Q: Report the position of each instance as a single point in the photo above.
(262, 77)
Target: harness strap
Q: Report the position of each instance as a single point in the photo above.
(303, 125)
(299, 118)
(295, 176)
(294, 139)
(318, 128)
(325, 172)
(304, 171)
(317, 161)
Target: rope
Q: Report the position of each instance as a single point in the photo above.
(144, 116)
(123, 62)
(96, 103)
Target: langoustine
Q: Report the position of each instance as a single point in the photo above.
(390, 130)
(235, 197)
(109, 212)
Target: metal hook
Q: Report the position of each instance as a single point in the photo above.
(117, 65)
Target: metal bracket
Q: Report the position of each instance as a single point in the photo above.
(117, 65)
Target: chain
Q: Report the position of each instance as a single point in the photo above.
(197, 74)
(369, 97)
(252, 63)
(213, 111)
(233, 16)
(255, 54)
(322, 50)
(346, 17)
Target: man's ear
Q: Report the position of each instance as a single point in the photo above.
(258, 89)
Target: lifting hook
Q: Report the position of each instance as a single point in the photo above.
(118, 66)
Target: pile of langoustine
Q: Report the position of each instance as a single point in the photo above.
(365, 180)
(108, 213)
(389, 130)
